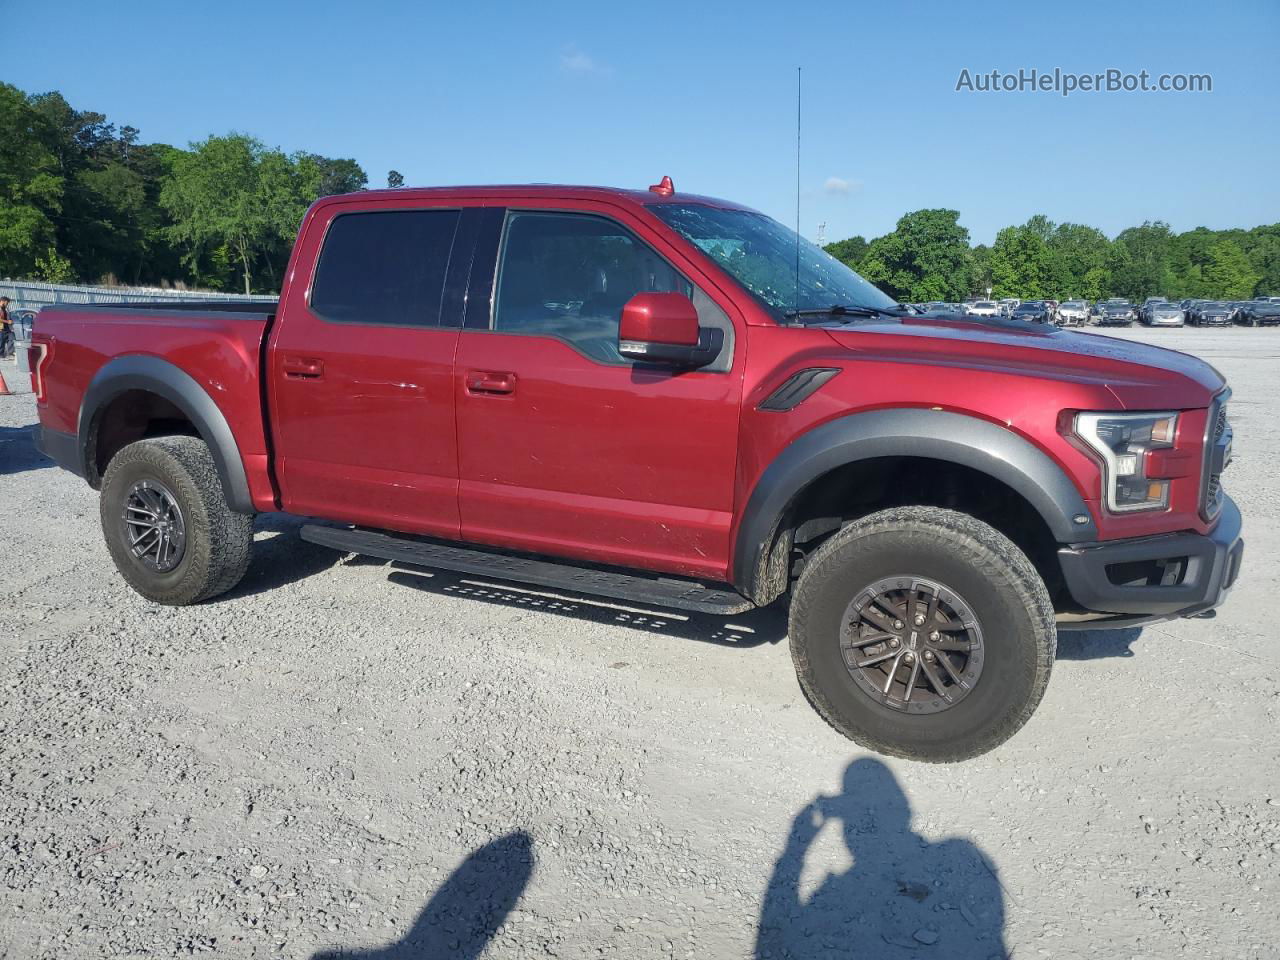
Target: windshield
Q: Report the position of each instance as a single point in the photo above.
(984, 305)
(760, 254)
(1074, 304)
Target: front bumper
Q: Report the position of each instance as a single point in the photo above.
(1157, 578)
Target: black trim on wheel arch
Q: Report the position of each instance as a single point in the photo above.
(933, 434)
(158, 376)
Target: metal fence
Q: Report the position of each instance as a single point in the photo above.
(30, 295)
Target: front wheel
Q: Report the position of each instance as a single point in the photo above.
(922, 633)
(167, 523)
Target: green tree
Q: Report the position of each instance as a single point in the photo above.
(326, 176)
(1041, 226)
(231, 192)
(1144, 270)
(395, 178)
(1020, 264)
(31, 183)
(1096, 284)
(1229, 271)
(1188, 257)
(1078, 256)
(1263, 251)
(54, 268)
(980, 269)
(849, 251)
(214, 197)
(925, 258)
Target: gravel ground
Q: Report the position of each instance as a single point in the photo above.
(341, 758)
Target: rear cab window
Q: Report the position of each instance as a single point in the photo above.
(385, 268)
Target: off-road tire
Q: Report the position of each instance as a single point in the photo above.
(218, 540)
(1006, 594)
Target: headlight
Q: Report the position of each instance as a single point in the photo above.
(1122, 441)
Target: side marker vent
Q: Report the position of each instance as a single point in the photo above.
(797, 388)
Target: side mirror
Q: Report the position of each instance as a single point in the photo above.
(663, 328)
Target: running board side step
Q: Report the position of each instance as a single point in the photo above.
(659, 591)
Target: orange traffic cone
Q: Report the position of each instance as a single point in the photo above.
(4, 388)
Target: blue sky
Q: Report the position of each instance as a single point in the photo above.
(622, 93)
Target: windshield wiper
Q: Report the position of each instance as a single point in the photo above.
(843, 310)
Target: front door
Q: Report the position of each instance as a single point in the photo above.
(566, 447)
(361, 372)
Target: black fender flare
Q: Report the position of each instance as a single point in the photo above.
(159, 376)
(934, 434)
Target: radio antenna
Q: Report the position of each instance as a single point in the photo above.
(796, 305)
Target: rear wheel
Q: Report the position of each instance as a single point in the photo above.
(167, 523)
(923, 633)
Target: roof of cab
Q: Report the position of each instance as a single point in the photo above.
(540, 191)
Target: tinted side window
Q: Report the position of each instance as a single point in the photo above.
(384, 268)
(568, 275)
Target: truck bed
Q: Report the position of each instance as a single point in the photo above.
(216, 344)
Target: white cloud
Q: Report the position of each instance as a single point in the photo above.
(573, 60)
(841, 186)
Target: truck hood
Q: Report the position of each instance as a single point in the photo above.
(1138, 375)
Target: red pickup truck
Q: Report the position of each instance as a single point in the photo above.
(668, 399)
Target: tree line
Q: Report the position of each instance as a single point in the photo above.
(928, 257)
(82, 199)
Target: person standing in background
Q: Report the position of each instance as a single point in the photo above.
(7, 343)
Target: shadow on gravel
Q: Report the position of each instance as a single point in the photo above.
(465, 912)
(750, 629)
(282, 557)
(903, 895)
(1096, 644)
(18, 451)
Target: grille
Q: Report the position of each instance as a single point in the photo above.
(1211, 497)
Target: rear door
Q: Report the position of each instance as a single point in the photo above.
(566, 447)
(361, 367)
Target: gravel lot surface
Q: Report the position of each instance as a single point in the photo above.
(340, 758)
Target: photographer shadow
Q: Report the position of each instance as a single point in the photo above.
(465, 912)
(902, 895)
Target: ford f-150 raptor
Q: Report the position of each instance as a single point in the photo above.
(672, 400)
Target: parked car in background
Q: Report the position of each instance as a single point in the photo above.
(984, 308)
(1163, 314)
(1114, 313)
(1145, 310)
(1236, 306)
(1037, 311)
(1008, 305)
(1211, 313)
(1073, 313)
(1259, 313)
